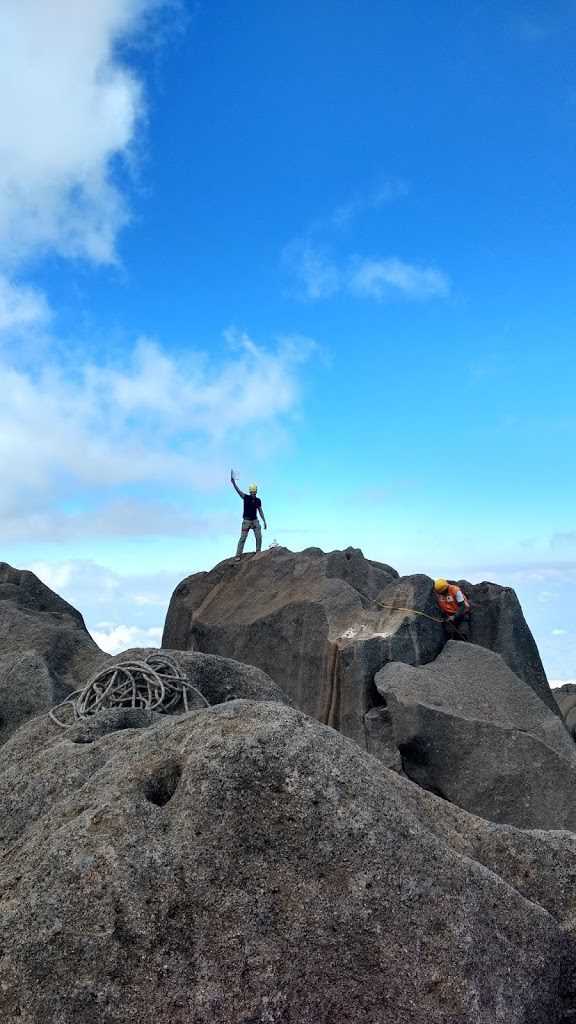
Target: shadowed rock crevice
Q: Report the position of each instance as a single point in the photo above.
(112, 720)
(160, 787)
(374, 697)
(333, 687)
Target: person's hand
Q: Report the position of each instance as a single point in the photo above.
(232, 475)
(265, 527)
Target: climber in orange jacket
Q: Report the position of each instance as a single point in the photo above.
(455, 608)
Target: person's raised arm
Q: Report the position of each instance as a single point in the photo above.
(235, 485)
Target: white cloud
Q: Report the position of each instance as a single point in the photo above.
(90, 432)
(558, 632)
(361, 203)
(252, 386)
(554, 683)
(20, 305)
(108, 599)
(57, 577)
(70, 107)
(378, 279)
(321, 277)
(314, 271)
(115, 638)
(565, 539)
(551, 573)
(116, 518)
(78, 580)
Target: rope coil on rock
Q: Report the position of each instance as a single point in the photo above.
(154, 684)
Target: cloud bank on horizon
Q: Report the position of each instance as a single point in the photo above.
(160, 419)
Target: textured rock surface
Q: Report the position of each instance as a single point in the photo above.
(497, 623)
(540, 865)
(565, 697)
(27, 688)
(322, 625)
(244, 864)
(215, 681)
(218, 679)
(33, 617)
(471, 731)
(46, 650)
(310, 621)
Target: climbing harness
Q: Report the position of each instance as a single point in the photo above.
(154, 684)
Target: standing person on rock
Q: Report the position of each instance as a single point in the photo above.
(455, 608)
(252, 509)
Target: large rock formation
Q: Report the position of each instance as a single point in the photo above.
(45, 648)
(218, 679)
(322, 625)
(497, 623)
(311, 622)
(471, 731)
(242, 862)
(565, 697)
(245, 864)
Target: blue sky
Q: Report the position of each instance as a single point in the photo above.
(330, 245)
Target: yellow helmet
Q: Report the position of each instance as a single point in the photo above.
(253, 488)
(440, 586)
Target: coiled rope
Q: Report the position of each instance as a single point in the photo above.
(154, 684)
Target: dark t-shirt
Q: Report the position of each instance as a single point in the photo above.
(251, 506)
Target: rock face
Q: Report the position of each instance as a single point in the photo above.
(218, 679)
(310, 622)
(46, 648)
(471, 731)
(565, 697)
(244, 864)
(497, 623)
(322, 625)
(215, 681)
(27, 688)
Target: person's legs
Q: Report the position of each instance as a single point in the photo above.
(243, 535)
(464, 629)
(258, 534)
(459, 632)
